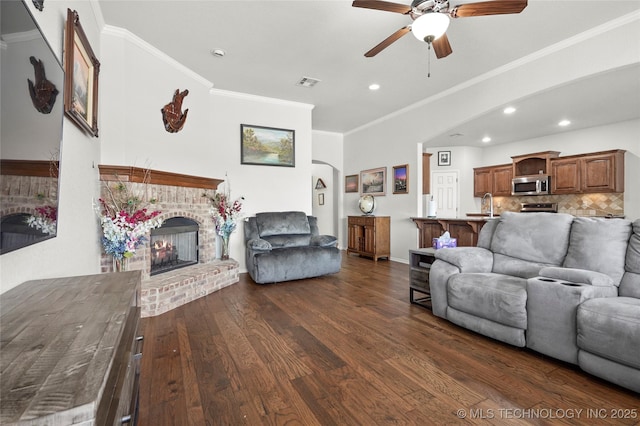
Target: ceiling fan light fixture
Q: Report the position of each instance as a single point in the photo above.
(430, 26)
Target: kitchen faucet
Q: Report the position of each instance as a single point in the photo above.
(490, 200)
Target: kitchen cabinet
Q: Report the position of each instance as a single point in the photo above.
(369, 236)
(588, 173)
(493, 179)
(538, 163)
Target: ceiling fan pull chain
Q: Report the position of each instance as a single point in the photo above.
(429, 61)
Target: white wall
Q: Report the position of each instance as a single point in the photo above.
(76, 249)
(209, 143)
(328, 152)
(136, 81)
(392, 140)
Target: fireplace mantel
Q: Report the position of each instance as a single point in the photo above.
(155, 177)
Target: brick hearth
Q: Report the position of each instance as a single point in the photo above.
(177, 196)
(164, 292)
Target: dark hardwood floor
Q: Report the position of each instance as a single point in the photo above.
(349, 349)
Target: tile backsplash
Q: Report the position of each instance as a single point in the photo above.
(601, 204)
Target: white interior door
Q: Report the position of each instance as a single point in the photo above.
(444, 187)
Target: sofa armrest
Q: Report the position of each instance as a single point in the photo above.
(323, 241)
(258, 244)
(467, 259)
(581, 276)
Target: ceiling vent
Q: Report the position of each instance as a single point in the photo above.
(307, 82)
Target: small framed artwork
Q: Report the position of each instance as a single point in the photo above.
(444, 158)
(351, 183)
(401, 179)
(373, 181)
(321, 199)
(320, 184)
(81, 68)
(267, 146)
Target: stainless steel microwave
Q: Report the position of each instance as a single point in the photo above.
(531, 185)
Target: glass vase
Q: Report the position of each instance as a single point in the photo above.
(120, 265)
(225, 247)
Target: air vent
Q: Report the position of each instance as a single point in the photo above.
(307, 82)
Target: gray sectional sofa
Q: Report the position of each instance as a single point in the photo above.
(564, 286)
(284, 246)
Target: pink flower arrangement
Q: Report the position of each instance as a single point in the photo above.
(125, 223)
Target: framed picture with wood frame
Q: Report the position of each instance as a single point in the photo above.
(267, 146)
(351, 183)
(401, 179)
(373, 181)
(81, 69)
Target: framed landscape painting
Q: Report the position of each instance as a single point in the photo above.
(267, 146)
(81, 76)
(373, 181)
(401, 179)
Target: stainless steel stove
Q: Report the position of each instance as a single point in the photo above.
(538, 207)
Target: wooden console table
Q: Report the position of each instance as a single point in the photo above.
(70, 351)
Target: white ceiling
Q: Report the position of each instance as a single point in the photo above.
(270, 45)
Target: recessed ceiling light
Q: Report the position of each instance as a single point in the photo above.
(486, 139)
(509, 110)
(564, 123)
(218, 53)
(374, 86)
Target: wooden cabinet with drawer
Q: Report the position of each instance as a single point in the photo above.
(492, 179)
(369, 236)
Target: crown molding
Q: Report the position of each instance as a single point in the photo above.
(110, 30)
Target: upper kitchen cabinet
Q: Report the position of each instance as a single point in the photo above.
(588, 173)
(533, 164)
(493, 179)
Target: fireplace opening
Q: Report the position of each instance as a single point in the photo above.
(174, 245)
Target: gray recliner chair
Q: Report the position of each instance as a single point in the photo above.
(285, 246)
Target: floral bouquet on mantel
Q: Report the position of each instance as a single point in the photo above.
(225, 214)
(125, 223)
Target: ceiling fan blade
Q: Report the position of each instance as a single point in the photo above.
(382, 5)
(387, 42)
(496, 7)
(442, 47)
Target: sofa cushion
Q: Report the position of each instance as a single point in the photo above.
(632, 263)
(288, 240)
(599, 244)
(486, 233)
(467, 259)
(278, 223)
(581, 276)
(630, 284)
(610, 328)
(496, 297)
(508, 265)
(534, 237)
(259, 244)
(324, 240)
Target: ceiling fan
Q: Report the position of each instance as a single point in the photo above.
(431, 19)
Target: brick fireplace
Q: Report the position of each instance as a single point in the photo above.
(178, 196)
